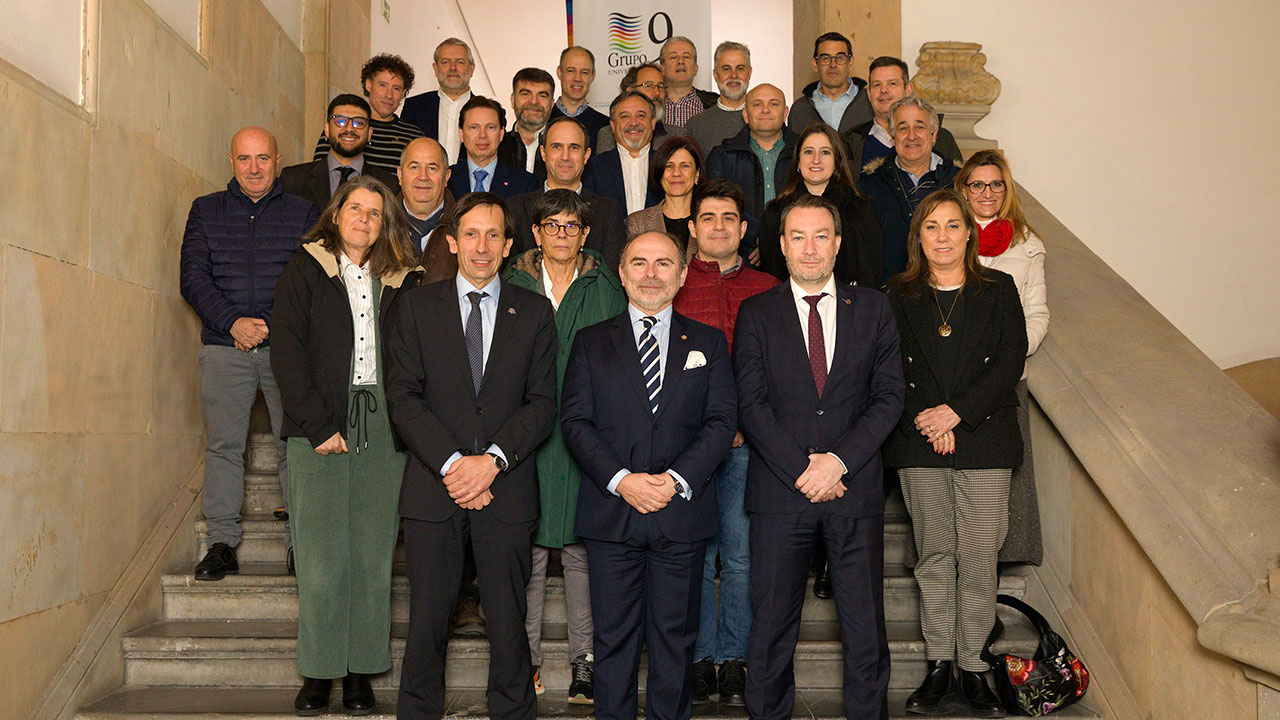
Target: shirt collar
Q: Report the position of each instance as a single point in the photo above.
(546, 187)
(445, 100)
(880, 134)
(663, 315)
(625, 154)
(581, 108)
(493, 288)
(333, 163)
(472, 167)
(934, 161)
(849, 92)
(437, 211)
(800, 293)
(720, 104)
(347, 265)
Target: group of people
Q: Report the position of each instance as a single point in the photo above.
(676, 346)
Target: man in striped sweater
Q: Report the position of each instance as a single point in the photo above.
(386, 79)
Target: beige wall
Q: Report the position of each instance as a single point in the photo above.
(1132, 122)
(99, 398)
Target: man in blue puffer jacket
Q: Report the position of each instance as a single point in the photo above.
(235, 246)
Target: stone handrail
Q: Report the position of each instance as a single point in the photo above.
(1188, 461)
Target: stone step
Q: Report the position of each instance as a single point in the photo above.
(261, 455)
(256, 654)
(159, 703)
(264, 592)
(261, 494)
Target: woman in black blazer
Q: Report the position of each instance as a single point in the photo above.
(963, 344)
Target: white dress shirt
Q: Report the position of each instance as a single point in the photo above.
(635, 177)
(359, 284)
(662, 333)
(826, 311)
(531, 154)
(447, 127)
(549, 291)
(488, 318)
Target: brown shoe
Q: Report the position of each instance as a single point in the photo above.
(467, 617)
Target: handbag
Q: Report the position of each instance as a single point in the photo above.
(1049, 681)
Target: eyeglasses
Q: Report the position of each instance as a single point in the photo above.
(840, 59)
(650, 86)
(341, 121)
(977, 186)
(551, 227)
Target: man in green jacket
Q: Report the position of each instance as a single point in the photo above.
(583, 292)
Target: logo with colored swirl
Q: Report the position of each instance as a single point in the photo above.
(624, 32)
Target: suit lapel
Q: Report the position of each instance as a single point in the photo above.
(845, 331)
(793, 337)
(977, 314)
(624, 343)
(318, 182)
(503, 327)
(920, 324)
(452, 342)
(678, 345)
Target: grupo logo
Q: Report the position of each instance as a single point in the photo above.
(627, 34)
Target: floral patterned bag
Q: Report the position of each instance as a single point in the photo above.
(1037, 686)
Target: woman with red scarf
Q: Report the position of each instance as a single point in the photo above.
(1007, 243)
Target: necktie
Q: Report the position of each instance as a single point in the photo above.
(480, 174)
(346, 171)
(475, 339)
(650, 361)
(817, 344)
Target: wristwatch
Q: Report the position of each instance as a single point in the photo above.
(498, 461)
(679, 486)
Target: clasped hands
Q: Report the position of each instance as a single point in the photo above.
(468, 481)
(248, 333)
(647, 493)
(936, 424)
(821, 481)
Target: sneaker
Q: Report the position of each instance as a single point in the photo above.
(582, 688)
(733, 682)
(538, 687)
(704, 681)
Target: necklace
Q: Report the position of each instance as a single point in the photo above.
(944, 329)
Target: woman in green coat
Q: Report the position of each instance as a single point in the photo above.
(583, 292)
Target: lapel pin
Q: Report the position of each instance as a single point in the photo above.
(684, 337)
(847, 301)
(511, 310)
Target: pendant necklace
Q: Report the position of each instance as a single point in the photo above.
(944, 329)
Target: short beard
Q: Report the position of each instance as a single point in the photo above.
(731, 96)
(340, 151)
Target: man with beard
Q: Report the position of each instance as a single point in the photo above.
(623, 173)
(648, 81)
(888, 81)
(576, 71)
(723, 120)
(385, 80)
(481, 168)
(679, 67)
(436, 112)
(531, 92)
(348, 129)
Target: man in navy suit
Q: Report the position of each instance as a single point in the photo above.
(436, 112)
(622, 174)
(648, 410)
(480, 170)
(820, 383)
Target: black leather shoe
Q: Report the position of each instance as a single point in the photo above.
(704, 682)
(976, 692)
(313, 698)
(357, 694)
(939, 680)
(733, 683)
(822, 584)
(219, 562)
(289, 564)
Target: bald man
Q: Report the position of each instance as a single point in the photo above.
(235, 246)
(759, 156)
(424, 178)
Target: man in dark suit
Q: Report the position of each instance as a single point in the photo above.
(347, 129)
(622, 174)
(531, 92)
(481, 169)
(564, 151)
(472, 392)
(821, 387)
(436, 112)
(648, 410)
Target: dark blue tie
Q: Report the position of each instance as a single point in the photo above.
(475, 339)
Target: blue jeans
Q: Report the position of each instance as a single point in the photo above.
(723, 630)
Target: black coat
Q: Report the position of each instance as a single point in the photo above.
(436, 412)
(512, 151)
(856, 139)
(861, 257)
(507, 179)
(733, 160)
(887, 186)
(312, 341)
(604, 176)
(993, 350)
(423, 110)
(310, 180)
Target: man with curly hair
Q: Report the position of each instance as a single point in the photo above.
(386, 79)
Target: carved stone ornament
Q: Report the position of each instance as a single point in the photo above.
(952, 77)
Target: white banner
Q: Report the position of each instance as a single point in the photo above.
(626, 33)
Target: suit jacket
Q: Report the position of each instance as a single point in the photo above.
(310, 180)
(423, 110)
(993, 349)
(608, 425)
(436, 412)
(608, 231)
(513, 152)
(604, 176)
(784, 418)
(507, 179)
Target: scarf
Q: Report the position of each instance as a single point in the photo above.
(994, 239)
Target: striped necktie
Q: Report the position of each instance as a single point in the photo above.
(650, 361)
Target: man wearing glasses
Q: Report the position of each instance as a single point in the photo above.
(836, 98)
(647, 80)
(348, 130)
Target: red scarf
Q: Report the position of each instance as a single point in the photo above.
(994, 239)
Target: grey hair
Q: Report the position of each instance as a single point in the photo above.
(917, 102)
(435, 56)
(679, 38)
(728, 46)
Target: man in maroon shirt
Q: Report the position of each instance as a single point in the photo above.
(718, 281)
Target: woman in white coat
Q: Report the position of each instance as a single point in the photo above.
(1007, 243)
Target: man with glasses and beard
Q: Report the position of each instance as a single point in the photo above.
(348, 129)
(723, 119)
(531, 92)
(385, 79)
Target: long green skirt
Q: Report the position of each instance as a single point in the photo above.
(344, 509)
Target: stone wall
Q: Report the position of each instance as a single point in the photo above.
(99, 399)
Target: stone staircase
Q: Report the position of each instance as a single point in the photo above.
(226, 649)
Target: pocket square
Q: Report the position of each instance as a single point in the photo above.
(695, 360)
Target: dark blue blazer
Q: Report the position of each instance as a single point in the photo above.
(603, 176)
(608, 425)
(507, 180)
(785, 420)
(423, 110)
